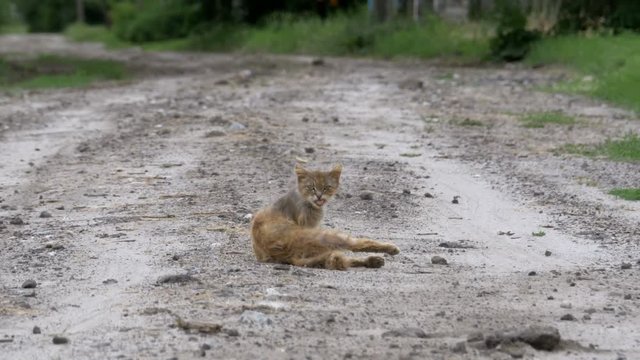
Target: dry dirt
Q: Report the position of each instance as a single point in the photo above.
(159, 175)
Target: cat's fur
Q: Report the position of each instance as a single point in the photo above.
(289, 231)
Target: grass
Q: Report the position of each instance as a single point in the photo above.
(48, 71)
(14, 28)
(624, 149)
(339, 35)
(631, 194)
(94, 33)
(538, 233)
(539, 120)
(469, 122)
(608, 65)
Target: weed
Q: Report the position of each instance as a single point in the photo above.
(539, 120)
(624, 149)
(631, 194)
(57, 72)
(538, 233)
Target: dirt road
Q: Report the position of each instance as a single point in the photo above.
(104, 191)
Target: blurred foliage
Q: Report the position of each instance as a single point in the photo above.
(512, 41)
(582, 15)
(55, 15)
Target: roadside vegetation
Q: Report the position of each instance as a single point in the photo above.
(624, 149)
(57, 72)
(539, 120)
(631, 194)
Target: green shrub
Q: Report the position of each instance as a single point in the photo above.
(153, 21)
(512, 41)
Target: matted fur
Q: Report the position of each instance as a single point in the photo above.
(288, 231)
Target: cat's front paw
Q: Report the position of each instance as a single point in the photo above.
(392, 250)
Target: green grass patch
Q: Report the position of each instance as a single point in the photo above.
(539, 233)
(95, 33)
(339, 35)
(624, 149)
(608, 65)
(57, 72)
(539, 120)
(15, 28)
(632, 194)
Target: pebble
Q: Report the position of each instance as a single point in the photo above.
(565, 305)
(45, 214)
(176, 279)
(317, 62)
(281, 267)
(110, 281)
(58, 340)
(627, 296)
(456, 200)
(54, 245)
(428, 195)
(539, 337)
(231, 332)
(29, 284)
(366, 195)
(532, 273)
(309, 150)
(459, 348)
(568, 317)
(406, 332)
(175, 257)
(36, 330)
(406, 192)
(235, 126)
(547, 253)
(255, 318)
(625, 266)
(411, 84)
(16, 221)
(214, 133)
(438, 260)
(586, 317)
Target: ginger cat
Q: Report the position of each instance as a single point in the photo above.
(288, 231)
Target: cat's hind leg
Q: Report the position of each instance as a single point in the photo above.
(332, 260)
(368, 262)
(368, 245)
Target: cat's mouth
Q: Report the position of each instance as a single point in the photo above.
(320, 202)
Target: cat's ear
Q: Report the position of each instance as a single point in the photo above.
(336, 171)
(300, 171)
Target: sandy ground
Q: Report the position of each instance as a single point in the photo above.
(159, 175)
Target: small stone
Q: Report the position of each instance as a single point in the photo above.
(438, 260)
(627, 296)
(411, 84)
(45, 214)
(309, 150)
(305, 119)
(255, 318)
(236, 126)
(532, 273)
(283, 267)
(547, 253)
(586, 317)
(29, 284)
(459, 348)
(176, 279)
(406, 192)
(205, 347)
(428, 195)
(565, 305)
(59, 340)
(406, 332)
(54, 245)
(590, 311)
(625, 266)
(366, 195)
(456, 200)
(231, 332)
(175, 257)
(16, 221)
(214, 133)
(540, 337)
(568, 317)
(110, 281)
(36, 330)
(317, 62)
(60, 207)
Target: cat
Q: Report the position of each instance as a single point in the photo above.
(289, 231)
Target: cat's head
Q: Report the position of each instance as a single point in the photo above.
(318, 187)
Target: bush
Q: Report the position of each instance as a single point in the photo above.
(155, 21)
(581, 15)
(512, 41)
